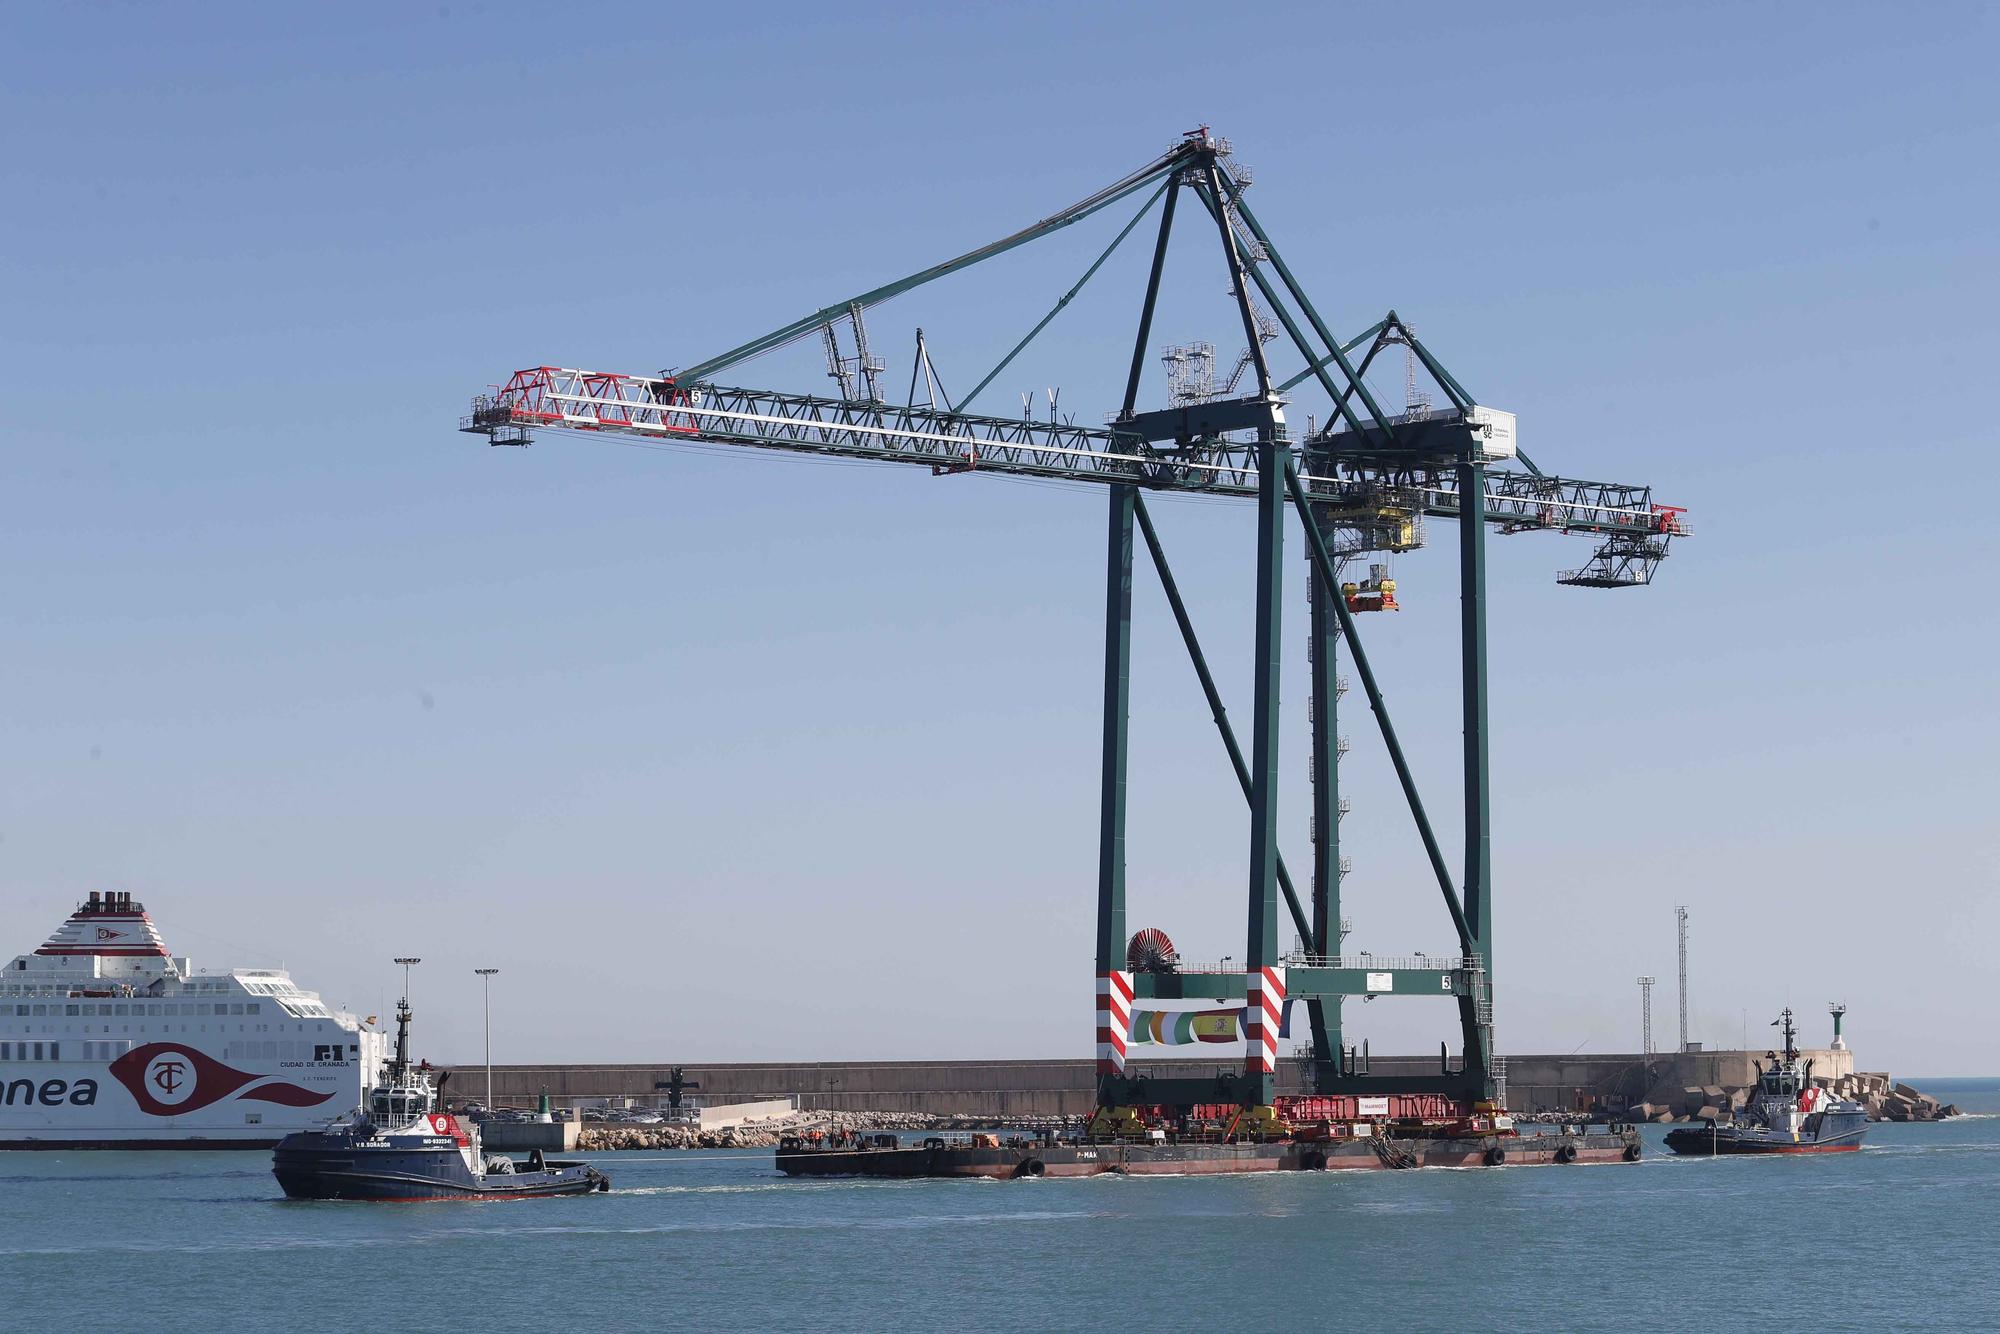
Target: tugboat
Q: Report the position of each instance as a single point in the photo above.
(403, 1146)
(1787, 1114)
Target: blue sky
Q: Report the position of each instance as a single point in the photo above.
(729, 757)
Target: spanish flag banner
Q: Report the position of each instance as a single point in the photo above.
(1170, 1028)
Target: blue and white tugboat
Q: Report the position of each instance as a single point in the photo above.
(403, 1146)
(1788, 1113)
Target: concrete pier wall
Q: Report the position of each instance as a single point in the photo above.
(722, 1116)
(521, 1136)
(1064, 1087)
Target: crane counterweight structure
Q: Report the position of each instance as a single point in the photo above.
(1365, 482)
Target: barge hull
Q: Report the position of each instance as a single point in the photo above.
(1029, 1159)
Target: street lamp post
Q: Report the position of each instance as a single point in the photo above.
(486, 977)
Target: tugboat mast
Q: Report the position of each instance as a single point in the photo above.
(401, 1067)
(1791, 1035)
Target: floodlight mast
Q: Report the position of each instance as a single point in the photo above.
(1363, 482)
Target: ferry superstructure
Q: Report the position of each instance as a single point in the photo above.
(107, 1041)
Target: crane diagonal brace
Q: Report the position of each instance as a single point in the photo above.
(661, 410)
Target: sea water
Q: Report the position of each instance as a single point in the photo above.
(1903, 1235)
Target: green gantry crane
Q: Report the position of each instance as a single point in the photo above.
(1358, 484)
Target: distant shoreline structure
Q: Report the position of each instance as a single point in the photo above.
(1619, 1085)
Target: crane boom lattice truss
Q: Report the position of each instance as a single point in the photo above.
(1359, 483)
(555, 397)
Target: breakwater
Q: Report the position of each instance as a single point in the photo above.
(1618, 1084)
(749, 1135)
(1883, 1097)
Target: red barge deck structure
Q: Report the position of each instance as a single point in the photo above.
(1361, 485)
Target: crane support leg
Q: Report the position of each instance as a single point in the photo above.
(1322, 1012)
(1266, 972)
(1474, 1009)
(1476, 1012)
(1274, 464)
(1114, 988)
(1113, 1020)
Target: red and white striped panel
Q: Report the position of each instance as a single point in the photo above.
(1114, 1021)
(1267, 1019)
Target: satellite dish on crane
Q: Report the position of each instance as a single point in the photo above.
(1151, 952)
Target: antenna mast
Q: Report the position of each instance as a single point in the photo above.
(1681, 919)
(403, 1016)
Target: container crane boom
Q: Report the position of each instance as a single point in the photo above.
(660, 409)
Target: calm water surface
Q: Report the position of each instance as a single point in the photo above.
(1904, 1235)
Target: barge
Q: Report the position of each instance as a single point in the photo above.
(1272, 1142)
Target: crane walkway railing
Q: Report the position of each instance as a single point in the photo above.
(1377, 963)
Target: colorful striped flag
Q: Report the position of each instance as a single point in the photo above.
(1178, 1028)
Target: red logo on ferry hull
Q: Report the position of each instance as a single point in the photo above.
(168, 1078)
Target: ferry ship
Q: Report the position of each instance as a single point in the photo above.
(107, 1041)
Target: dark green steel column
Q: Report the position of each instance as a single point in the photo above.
(1325, 1013)
(1117, 697)
(1477, 893)
(1117, 693)
(1274, 461)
